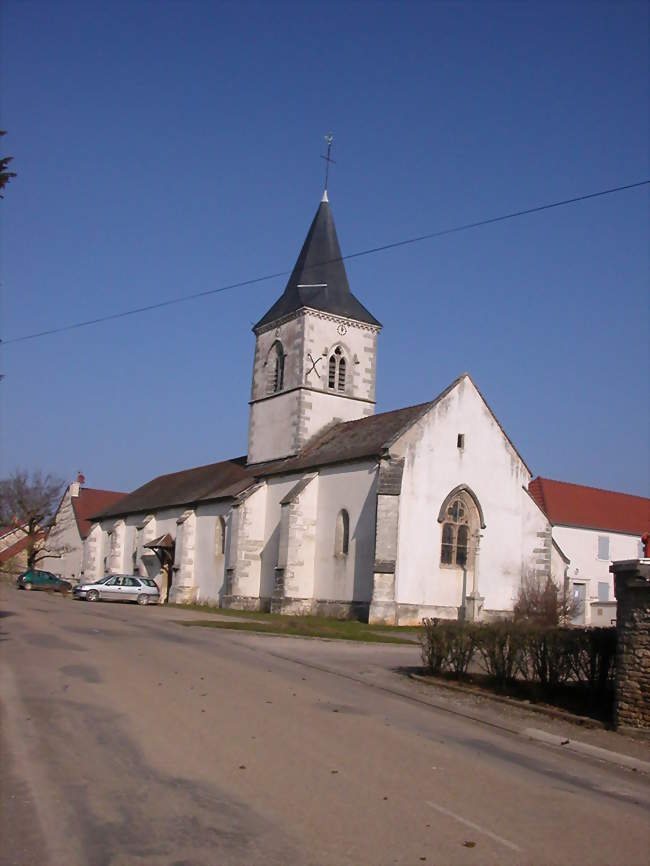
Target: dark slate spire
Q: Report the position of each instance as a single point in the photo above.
(318, 279)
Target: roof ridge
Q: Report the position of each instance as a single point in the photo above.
(237, 460)
(543, 478)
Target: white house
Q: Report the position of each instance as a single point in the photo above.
(423, 511)
(593, 527)
(70, 526)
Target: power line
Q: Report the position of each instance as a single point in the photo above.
(370, 251)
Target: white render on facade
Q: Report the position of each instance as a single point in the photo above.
(64, 540)
(590, 570)
(339, 511)
(284, 526)
(512, 543)
(281, 424)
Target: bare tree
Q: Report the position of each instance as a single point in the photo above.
(541, 601)
(28, 504)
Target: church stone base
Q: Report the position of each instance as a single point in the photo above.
(293, 606)
(495, 615)
(246, 602)
(357, 610)
(181, 595)
(413, 614)
(383, 613)
(353, 610)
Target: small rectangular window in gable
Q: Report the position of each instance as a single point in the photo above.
(460, 441)
(603, 547)
(603, 591)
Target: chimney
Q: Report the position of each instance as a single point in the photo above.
(74, 487)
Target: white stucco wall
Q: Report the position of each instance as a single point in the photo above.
(92, 554)
(581, 546)
(198, 567)
(246, 554)
(209, 562)
(352, 487)
(490, 466)
(64, 538)
(276, 489)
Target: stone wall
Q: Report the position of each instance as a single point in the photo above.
(632, 589)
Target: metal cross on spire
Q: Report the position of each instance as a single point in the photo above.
(329, 138)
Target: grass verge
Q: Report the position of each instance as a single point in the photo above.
(302, 626)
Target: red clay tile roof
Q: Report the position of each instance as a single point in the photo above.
(89, 502)
(575, 505)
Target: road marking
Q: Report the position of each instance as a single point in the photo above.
(474, 826)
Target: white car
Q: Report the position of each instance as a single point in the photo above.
(120, 587)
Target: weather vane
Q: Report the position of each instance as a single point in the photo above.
(329, 138)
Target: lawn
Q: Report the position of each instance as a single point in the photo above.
(301, 626)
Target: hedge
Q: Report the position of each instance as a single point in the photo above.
(510, 651)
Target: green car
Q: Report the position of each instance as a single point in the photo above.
(35, 579)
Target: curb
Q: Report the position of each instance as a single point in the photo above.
(575, 746)
(597, 752)
(550, 712)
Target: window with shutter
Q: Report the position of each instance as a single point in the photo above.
(603, 547)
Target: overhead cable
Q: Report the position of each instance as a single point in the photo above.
(371, 251)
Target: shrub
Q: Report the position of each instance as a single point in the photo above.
(541, 601)
(501, 648)
(563, 661)
(447, 646)
(547, 658)
(592, 656)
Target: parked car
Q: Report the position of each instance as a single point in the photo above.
(119, 587)
(33, 578)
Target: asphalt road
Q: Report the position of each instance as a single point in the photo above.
(129, 739)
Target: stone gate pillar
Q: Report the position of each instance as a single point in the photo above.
(632, 590)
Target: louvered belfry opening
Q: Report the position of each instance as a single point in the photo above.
(337, 365)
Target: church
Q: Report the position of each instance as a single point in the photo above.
(336, 510)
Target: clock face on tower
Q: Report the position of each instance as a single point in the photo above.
(342, 330)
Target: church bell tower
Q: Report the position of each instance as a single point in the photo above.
(315, 352)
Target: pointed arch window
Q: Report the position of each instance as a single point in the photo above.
(458, 522)
(137, 541)
(342, 533)
(276, 367)
(337, 370)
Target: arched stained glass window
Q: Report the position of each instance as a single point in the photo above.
(456, 545)
(447, 552)
(462, 539)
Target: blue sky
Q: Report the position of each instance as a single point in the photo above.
(167, 148)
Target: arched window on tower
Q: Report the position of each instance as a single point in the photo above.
(275, 362)
(342, 533)
(337, 365)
